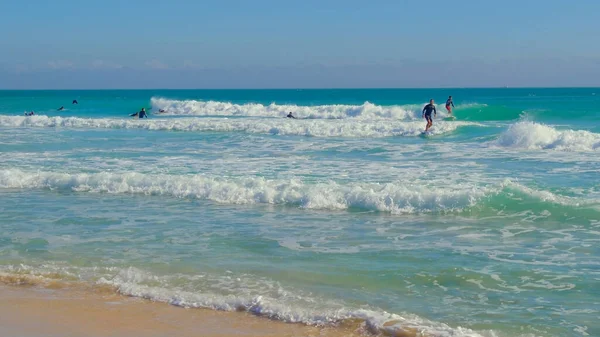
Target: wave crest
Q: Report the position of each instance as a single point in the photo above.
(335, 111)
(536, 136)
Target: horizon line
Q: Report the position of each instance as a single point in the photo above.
(315, 88)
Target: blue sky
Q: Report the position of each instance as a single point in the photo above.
(290, 44)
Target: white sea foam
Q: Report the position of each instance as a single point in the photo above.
(389, 197)
(275, 308)
(283, 126)
(336, 111)
(394, 197)
(535, 136)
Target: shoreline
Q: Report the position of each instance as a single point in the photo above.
(52, 305)
(32, 311)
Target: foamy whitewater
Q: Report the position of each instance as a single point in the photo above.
(488, 226)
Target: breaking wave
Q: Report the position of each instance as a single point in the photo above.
(536, 136)
(336, 111)
(393, 197)
(283, 126)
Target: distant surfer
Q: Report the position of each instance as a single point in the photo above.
(61, 108)
(290, 115)
(75, 102)
(140, 114)
(449, 105)
(161, 111)
(427, 110)
(29, 113)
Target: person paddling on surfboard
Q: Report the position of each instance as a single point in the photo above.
(290, 115)
(427, 110)
(140, 114)
(449, 105)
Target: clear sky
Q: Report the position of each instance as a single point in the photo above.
(305, 43)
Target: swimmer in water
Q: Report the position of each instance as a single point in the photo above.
(75, 102)
(61, 108)
(290, 115)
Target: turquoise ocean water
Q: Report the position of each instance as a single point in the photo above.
(488, 227)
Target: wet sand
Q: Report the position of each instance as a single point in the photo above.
(33, 311)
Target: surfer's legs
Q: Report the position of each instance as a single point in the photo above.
(449, 108)
(429, 122)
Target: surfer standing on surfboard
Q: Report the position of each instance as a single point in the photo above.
(427, 110)
(449, 105)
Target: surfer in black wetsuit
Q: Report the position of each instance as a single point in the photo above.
(427, 110)
(290, 115)
(141, 114)
(75, 102)
(61, 108)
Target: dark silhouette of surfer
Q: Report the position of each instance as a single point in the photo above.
(140, 114)
(427, 110)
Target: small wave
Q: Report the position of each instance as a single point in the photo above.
(283, 126)
(335, 111)
(286, 306)
(536, 136)
(394, 197)
(231, 292)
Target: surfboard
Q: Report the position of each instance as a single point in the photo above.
(426, 134)
(450, 118)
